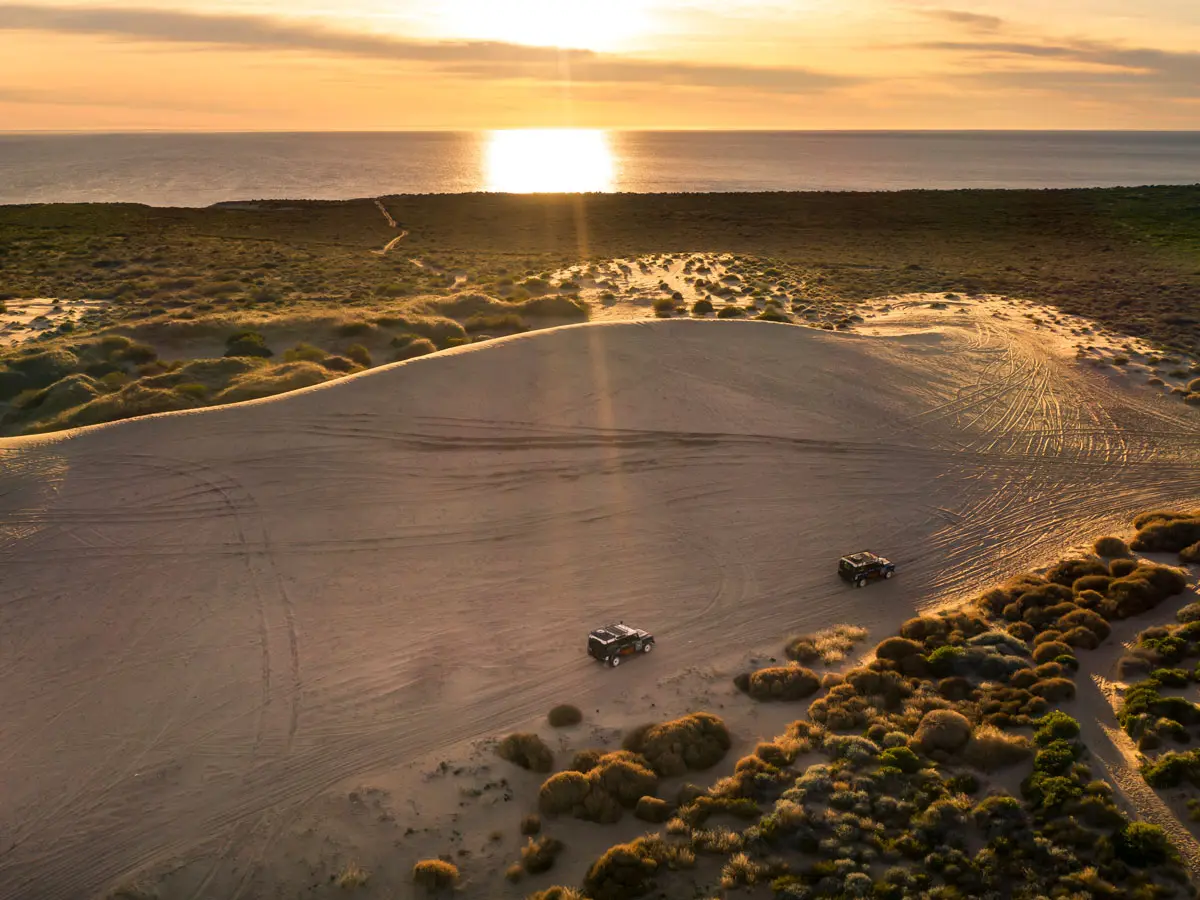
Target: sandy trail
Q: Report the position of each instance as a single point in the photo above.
(209, 619)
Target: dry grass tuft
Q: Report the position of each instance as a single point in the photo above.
(435, 874)
(829, 645)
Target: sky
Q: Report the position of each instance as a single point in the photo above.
(365, 65)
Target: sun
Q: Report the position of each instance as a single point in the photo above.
(607, 26)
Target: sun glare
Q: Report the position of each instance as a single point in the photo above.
(611, 25)
(549, 161)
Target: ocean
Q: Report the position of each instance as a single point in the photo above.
(202, 169)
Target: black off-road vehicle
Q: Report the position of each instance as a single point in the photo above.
(860, 568)
(612, 642)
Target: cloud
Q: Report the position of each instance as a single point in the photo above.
(969, 20)
(1098, 62)
(478, 59)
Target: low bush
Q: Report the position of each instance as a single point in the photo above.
(1190, 554)
(557, 892)
(414, 348)
(531, 824)
(1142, 845)
(435, 874)
(1055, 690)
(1055, 726)
(896, 649)
(731, 312)
(990, 749)
(1166, 532)
(702, 307)
(1098, 583)
(1069, 571)
(943, 729)
(1119, 568)
(691, 743)
(1081, 638)
(652, 809)
(1050, 651)
(663, 307)
(1086, 618)
(539, 855)
(360, 355)
(527, 751)
(628, 870)
(564, 715)
(1110, 547)
(246, 343)
(617, 781)
(786, 683)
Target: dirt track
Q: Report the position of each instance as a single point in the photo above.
(210, 618)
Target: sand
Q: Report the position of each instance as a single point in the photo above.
(217, 626)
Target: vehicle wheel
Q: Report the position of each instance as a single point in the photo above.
(647, 647)
(615, 661)
(889, 573)
(862, 582)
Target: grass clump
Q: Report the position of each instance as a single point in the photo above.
(1111, 547)
(435, 874)
(352, 876)
(245, 343)
(527, 751)
(991, 749)
(564, 715)
(629, 870)
(652, 809)
(829, 645)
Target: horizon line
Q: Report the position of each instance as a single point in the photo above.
(610, 129)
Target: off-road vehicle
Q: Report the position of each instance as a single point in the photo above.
(860, 568)
(612, 642)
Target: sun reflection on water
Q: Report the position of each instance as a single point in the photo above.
(539, 161)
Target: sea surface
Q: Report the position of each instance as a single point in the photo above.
(202, 169)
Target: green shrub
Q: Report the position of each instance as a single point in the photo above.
(435, 874)
(303, 352)
(1142, 845)
(702, 307)
(942, 660)
(901, 758)
(1055, 726)
(246, 343)
(527, 751)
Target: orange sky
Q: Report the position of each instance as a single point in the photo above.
(403, 64)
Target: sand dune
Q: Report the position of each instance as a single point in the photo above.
(209, 618)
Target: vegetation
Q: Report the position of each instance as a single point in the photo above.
(901, 804)
(564, 715)
(527, 751)
(435, 874)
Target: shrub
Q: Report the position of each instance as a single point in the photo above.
(1055, 726)
(990, 749)
(1110, 547)
(652, 809)
(1081, 637)
(1141, 844)
(527, 751)
(1119, 568)
(531, 824)
(247, 343)
(564, 792)
(539, 855)
(943, 729)
(414, 348)
(360, 354)
(1172, 769)
(1085, 618)
(1069, 571)
(942, 660)
(730, 312)
(352, 876)
(702, 307)
(1098, 583)
(897, 648)
(787, 683)
(435, 874)
(1054, 690)
(694, 742)
(1051, 650)
(1188, 614)
(1170, 532)
(1190, 554)
(627, 870)
(901, 758)
(303, 352)
(565, 715)
(557, 892)
(663, 306)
